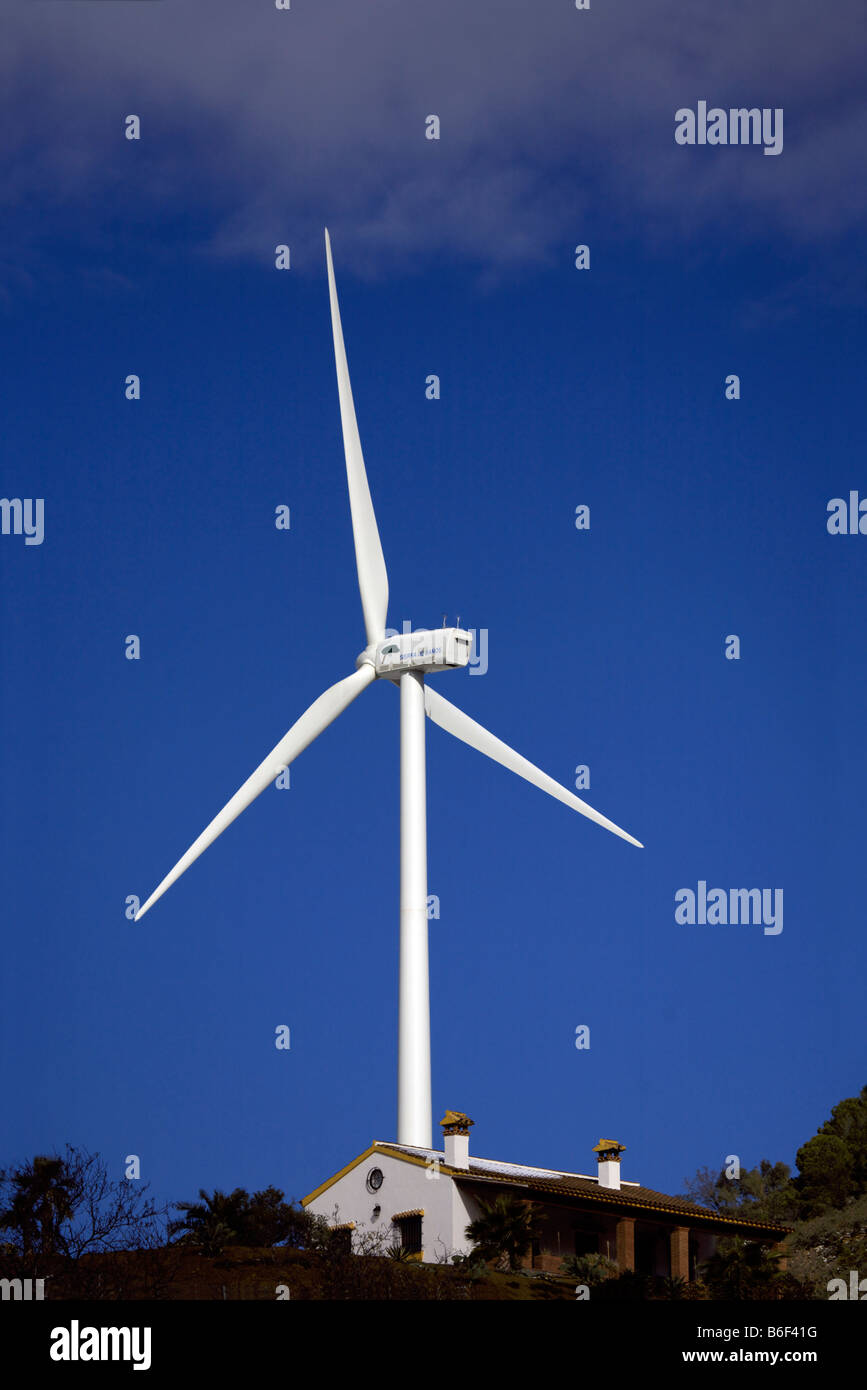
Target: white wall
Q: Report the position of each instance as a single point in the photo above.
(405, 1187)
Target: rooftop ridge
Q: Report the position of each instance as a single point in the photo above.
(502, 1163)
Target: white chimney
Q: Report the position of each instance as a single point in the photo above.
(608, 1153)
(456, 1139)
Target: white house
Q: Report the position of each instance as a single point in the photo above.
(423, 1200)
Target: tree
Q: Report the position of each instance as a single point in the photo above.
(832, 1173)
(712, 1190)
(848, 1122)
(236, 1218)
(765, 1193)
(271, 1220)
(39, 1204)
(825, 1165)
(768, 1192)
(833, 1164)
(214, 1222)
(70, 1205)
(742, 1269)
(504, 1231)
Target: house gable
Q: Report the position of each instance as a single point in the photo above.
(381, 1186)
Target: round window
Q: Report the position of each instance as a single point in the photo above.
(374, 1179)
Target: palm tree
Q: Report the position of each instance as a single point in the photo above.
(214, 1222)
(42, 1201)
(740, 1269)
(504, 1231)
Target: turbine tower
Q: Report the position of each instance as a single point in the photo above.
(405, 661)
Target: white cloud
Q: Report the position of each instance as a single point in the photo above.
(271, 123)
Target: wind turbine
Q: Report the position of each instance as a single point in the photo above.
(405, 660)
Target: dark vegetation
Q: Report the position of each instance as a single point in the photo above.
(65, 1219)
(825, 1203)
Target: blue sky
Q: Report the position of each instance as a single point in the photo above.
(605, 647)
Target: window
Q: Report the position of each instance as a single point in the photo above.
(341, 1240)
(586, 1243)
(645, 1252)
(409, 1233)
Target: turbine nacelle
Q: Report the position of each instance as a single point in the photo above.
(428, 650)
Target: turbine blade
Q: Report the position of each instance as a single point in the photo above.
(320, 714)
(454, 721)
(369, 559)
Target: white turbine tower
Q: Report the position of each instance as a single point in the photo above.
(405, 660)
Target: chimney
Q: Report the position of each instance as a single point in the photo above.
(456, 1139)
(608, 1153)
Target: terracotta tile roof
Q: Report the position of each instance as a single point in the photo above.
(630, 1197)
